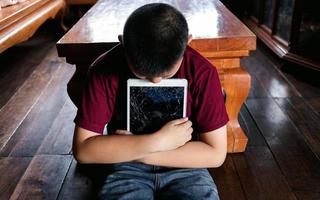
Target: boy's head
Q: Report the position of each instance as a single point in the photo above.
(155, 37)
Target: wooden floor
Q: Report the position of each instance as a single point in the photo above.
(281, 118)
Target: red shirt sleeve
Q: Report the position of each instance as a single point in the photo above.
(97, 102)
(210, 110)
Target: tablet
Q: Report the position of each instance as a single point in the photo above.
(151, 105)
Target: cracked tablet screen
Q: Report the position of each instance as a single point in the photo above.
(152, 107)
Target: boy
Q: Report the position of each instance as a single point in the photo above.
(170, 163)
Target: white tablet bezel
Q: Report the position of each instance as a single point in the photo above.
(162, 83)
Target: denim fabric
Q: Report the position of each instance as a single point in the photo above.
(131, 180)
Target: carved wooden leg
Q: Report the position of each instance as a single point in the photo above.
(61, 17)
(236, 85)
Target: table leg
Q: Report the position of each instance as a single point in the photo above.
(236, 85)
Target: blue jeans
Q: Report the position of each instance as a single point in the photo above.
(131, 180)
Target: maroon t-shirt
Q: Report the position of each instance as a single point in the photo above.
(104, 96)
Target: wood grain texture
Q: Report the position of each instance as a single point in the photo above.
(43, 178)
(258, 89)
(83, 181)
(315, 104)
(59, 138)
(14, 13)
(270, 79)
(29, 136)
(298, 163)
(307, 195)
(257, 169)
(20, 26)
(306, 120)
(233, 80)
(221, 25)
(20, 63)
(304, 80)
(227, 181)
(77, 184)
(225, 54)
(26, 97)
(255, 138)
(226, 63)
(11, 170)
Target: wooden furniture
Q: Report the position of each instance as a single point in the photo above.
(290, 28)
(217, 33)
(81, 2)
(19, 22)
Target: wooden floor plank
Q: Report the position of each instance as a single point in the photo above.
(77, 186)
(59, 138)
(257, 89)
(270, 79)
(30, 134)
(43, 178)
(305, 119)
(83, 181)
(314, 103)
(19, 62)
(14, 112)
(255, 138)
(297, 162)
(11, 170)
(227, 181)
(257, 168)
(306, 81)
(306, 195)
(260, 175)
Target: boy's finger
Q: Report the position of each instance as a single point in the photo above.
(122, 132)
(186, 124)
(179, 121)
(190, 130)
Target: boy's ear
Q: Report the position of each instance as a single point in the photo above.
(120, 38)
(189, 38)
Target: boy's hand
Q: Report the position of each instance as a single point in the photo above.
(174, 134)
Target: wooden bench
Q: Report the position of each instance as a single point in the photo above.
(218, 35)
(19, 22)
(81, 2)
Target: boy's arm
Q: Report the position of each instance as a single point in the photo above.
(209, 152)
(91, 147)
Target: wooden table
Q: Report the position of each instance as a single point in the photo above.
(218, 35)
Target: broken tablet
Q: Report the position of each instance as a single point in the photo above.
(151, 105)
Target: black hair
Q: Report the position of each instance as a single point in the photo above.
(155, 36)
